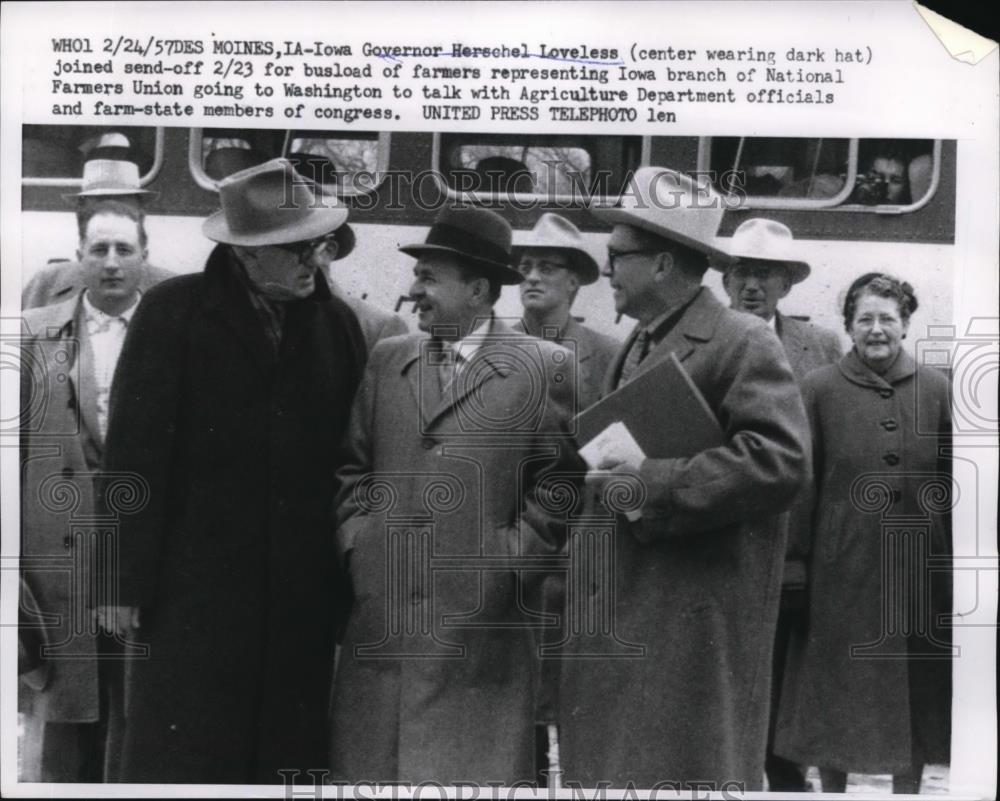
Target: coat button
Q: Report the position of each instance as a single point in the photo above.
(896, 496)
(416, 597)
(427, 443)
(890, 425)
(68, 542)
(891, 459)
(886, 393)
(68, 472)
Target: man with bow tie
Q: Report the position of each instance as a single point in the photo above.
(458, 432)
(73, 700)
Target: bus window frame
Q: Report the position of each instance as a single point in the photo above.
(518, 197)
(750, 202)
(201, 178)
(77, 183)
(838, 202)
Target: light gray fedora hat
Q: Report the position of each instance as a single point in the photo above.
(553, 232)
(674, 206)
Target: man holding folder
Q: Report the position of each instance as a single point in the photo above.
(697, 568)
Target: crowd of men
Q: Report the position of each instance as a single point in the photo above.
(287, 446)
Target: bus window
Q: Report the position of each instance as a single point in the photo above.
(492, 165)
(346, 163)
(53, 155)
(886, 176)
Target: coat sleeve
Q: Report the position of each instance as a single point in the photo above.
(142, 422)
(764, 461)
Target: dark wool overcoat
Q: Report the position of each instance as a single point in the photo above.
(232, 559)
(679, 692)
(859, 694)
(442, 494)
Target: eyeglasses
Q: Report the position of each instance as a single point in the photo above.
(303, 250)
(617, 255)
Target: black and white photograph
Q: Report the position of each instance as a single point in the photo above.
(484, 408)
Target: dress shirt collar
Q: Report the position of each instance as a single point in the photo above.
(466, 348)
(99, 319)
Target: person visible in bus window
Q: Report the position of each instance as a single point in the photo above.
(764, 273)
(698, 571)
(74, 718)
(868, 684)
(375, 323)
(457, 429)
(103, 179)
(554, 264)
(232, 395)
(886, 182)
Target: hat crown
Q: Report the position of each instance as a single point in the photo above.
(554, 232)
(269, 197)
(671, 205)
(110, 174)
(767, 240)
(271, 204)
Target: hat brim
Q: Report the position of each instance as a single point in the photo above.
(73, 197)
(798, 271)
(504, 273)
(719, 258)
(581, 262)
(319, 222)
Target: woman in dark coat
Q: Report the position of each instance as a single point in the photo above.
(868, 686)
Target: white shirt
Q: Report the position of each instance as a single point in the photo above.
(107, 334)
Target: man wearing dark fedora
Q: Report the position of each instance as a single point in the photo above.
(554, 264)
(452, 435)
(232, 396)
(764, 270)
(697, 570)
(103, 179)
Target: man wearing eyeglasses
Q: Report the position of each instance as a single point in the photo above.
(232, 394)
(763, 274)
(554, 263)
(697, 571)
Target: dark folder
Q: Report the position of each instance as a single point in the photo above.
(662, 408)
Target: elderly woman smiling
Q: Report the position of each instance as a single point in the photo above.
(868, 683)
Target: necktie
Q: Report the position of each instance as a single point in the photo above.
(634, 357)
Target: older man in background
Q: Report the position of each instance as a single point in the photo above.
(763, 274)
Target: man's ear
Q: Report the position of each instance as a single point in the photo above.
(480, 291)
(661, 266)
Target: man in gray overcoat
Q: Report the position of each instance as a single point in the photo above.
(765, 270)
(232, 396)
(457, 442)
(72, 700)
(697, 568)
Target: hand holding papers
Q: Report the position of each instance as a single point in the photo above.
(613, 449)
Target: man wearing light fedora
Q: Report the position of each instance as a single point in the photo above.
(763, 273)
(554, 265)
(103, 179)
(454, 430)
(698, 573)
(232, 396)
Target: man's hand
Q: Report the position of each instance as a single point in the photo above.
(121, 620)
